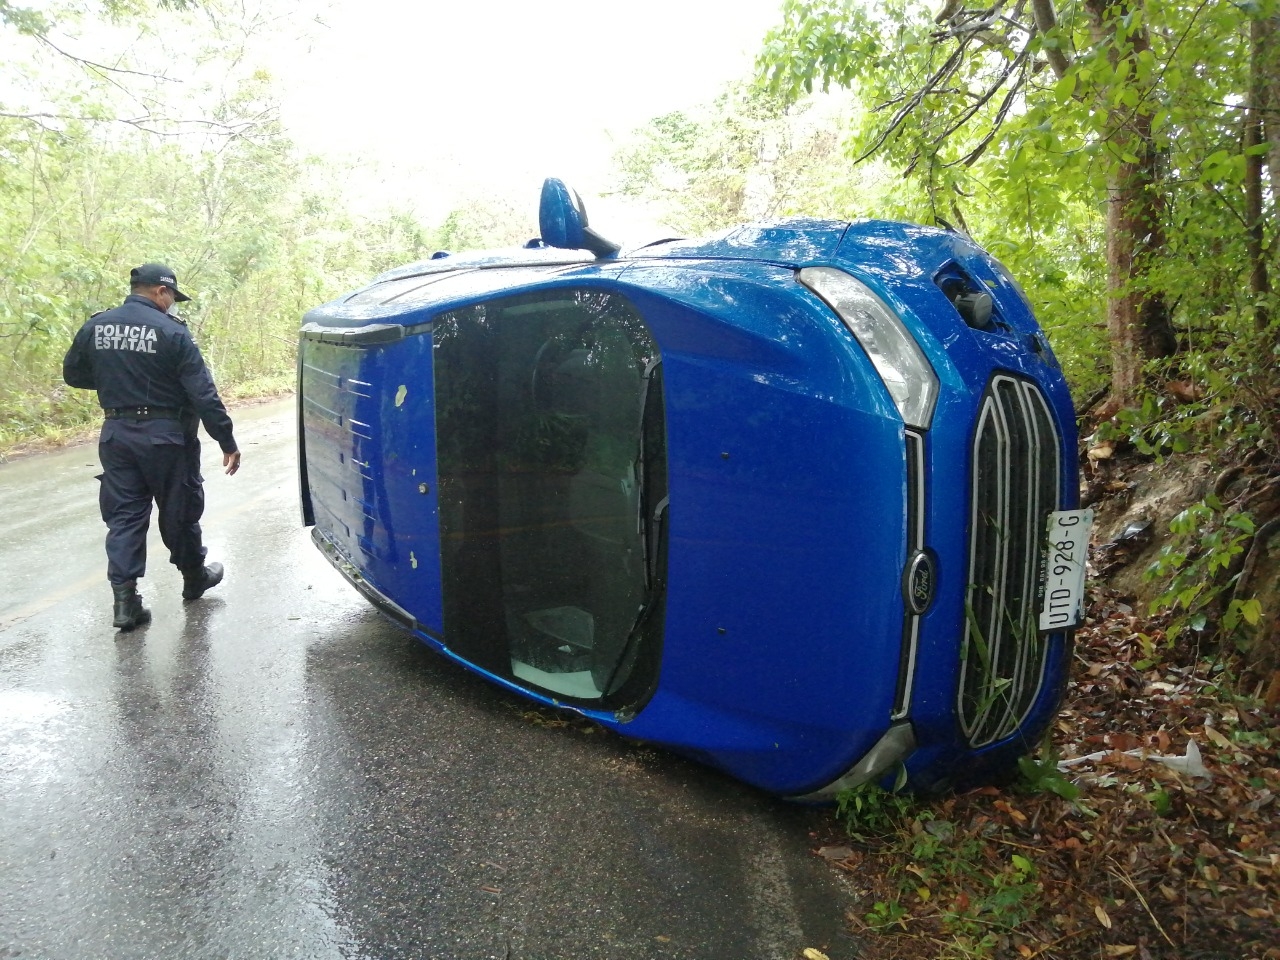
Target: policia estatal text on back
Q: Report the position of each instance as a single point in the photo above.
(155, 390)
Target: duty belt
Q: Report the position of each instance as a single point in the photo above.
(142, 413)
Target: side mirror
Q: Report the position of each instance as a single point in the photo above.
(562, 220)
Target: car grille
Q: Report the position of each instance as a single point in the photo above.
(1015, 482)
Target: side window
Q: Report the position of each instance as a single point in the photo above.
(549, 476)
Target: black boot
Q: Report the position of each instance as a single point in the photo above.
(196, 582)
(129, 611)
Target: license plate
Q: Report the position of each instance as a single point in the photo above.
(1063, 580)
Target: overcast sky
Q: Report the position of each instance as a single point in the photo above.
(450, 99)
(439, 101)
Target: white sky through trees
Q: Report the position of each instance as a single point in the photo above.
(420, 105)
(447, 99)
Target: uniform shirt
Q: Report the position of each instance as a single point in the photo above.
(138, 356)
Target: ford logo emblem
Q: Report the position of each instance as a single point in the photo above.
(918, 582)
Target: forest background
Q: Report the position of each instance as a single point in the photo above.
(1120, 157)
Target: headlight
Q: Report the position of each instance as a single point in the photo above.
(897, 357)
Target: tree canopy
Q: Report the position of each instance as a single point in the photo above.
(116, 149)
(1018, 113)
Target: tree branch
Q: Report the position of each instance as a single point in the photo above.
(144, 123)
(1018, 25)
(1164, 68)
(1046, 20)
(990, 92)
(970, 158)
(941, 74)
(100, 66)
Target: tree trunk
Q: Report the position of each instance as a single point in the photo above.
(1261, 576)
(1261, 53)
(1266, 61)
(1138, 323)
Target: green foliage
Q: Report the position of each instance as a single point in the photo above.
(979, 892)
(254, 245)
(887, 914)
(1024, 197)
(981, 896)
(869, 811)
(485, 224)
(23, 19)
(1014, 132)
(1161, 801)
(747, 156)
(1156, 427)
(1041, 775)
(1197, 566)
(257, 234)
(34, 22)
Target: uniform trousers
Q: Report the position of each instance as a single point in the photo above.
(145, 461)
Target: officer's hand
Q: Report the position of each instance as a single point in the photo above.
(231, 461)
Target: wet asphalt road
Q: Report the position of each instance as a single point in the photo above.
(276, 771)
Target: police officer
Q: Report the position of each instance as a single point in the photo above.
(154, 389)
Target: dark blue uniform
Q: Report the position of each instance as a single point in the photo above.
(155, 389)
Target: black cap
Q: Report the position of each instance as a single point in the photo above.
(157, 275)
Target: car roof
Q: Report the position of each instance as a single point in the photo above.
(787, 242)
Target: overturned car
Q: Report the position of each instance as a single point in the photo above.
(796, 500)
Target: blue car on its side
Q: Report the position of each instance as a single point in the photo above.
(796, 500)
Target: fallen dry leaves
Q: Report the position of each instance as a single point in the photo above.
(1171, 850)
